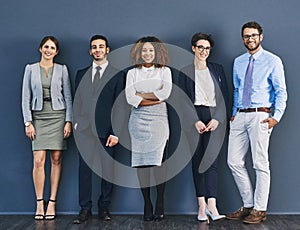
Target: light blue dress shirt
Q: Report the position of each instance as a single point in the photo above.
(268, 89)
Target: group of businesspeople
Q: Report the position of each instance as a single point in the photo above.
(259, 102)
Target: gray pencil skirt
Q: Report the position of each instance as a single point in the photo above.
(149, 132)
(49, 127)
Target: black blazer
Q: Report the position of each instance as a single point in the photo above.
(186, 82)
(93, 109)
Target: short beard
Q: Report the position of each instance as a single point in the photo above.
(252, 49)
(99, 59)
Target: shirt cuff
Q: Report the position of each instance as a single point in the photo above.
(277, 117)
(114, 136)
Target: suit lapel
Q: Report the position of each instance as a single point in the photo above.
(85, 83)
(57, 72)
(191, 79)
(37, 73)
(105, 78)
(216, 79)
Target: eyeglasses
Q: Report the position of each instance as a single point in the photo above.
(253, 36)
(202, 48)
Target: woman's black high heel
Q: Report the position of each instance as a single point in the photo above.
(159, 213)
(148, 212)
(40, 216)
(50, 217)
(159, 206)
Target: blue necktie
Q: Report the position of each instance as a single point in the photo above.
(246, 100)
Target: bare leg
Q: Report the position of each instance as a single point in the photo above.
(54, 180)
(212, 206)
(38, 175)
(202, 206)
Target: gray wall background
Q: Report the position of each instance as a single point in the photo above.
(73, 22)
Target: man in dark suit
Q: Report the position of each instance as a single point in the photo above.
(97, 88)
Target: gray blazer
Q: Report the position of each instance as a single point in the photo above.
(32, 92)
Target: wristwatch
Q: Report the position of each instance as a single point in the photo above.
(28, 123)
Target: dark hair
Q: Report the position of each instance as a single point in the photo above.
(51, 38)
(161, 52)
(96, 37)
(253, 25)
(202, 36)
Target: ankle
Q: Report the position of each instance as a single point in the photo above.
(50, 208)
(40, 202)
(201, 211)
(213, 210)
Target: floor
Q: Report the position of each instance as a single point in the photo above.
(180, 222)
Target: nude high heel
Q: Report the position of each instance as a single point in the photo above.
(212, 216)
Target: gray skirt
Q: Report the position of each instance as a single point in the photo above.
(49, 127)
(149, 132)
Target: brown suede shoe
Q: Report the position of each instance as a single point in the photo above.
(239, 214)
(255, 217)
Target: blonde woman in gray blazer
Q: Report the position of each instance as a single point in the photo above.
(47, 113)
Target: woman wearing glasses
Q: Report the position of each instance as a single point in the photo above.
(205, 85)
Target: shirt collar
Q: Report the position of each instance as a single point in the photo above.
(103, 66)
(145, 69)
(257, 54)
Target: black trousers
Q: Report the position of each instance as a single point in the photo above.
(205, 183)
(85, 183)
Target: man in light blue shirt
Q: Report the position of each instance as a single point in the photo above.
(259, 103)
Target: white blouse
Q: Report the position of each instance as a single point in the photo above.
(204, 88)
(148, 80)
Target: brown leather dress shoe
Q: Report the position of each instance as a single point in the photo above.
(239, 214)
(255, 217)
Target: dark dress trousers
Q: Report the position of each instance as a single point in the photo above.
(204, 159)
(92, 117)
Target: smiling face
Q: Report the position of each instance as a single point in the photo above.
(201, 50)
(99, 50)
(252, 39)
(48, 50)
(148, 53)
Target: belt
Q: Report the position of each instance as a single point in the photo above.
(259, 109)
(47, 99)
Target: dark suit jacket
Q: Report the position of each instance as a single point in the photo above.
(186, 82)
(92, 109)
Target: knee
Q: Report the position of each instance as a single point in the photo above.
(234, 165)
(56, 160)
(262, 166)
(195, 167)
(39, 163)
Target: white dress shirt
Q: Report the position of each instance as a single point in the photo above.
(103, 67)
(148, 80)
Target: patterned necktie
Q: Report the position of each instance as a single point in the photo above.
(96, 78)
(246, 100)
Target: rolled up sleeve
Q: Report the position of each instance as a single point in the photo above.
(164, 92)
(130, 91)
